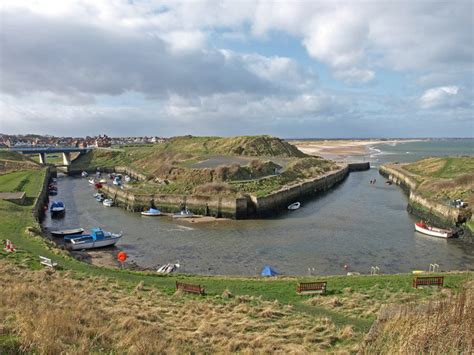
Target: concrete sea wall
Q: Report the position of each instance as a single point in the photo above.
(437, 213)
(281, 199)
(42, 198)
(221, 206)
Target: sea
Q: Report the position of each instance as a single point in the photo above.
(354, 227)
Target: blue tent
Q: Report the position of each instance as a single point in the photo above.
(268, 271)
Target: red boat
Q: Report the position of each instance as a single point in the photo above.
(422, 227)
(98, 185)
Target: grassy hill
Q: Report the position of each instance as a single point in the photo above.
(171, 163)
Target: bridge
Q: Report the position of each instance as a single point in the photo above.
(42, 151)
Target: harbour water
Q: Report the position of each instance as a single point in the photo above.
(356, 224)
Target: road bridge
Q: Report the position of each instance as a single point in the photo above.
(42, 151)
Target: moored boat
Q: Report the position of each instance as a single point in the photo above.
(97, 239)
(152, 212)
(183, 214)
(294, 206)
(422, 227)
(92, 181)
(127, 178)
(62, 233)
(57, 207)
(108, 202)
(84, 174)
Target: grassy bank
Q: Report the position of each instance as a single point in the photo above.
(138, 312)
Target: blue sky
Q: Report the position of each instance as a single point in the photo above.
(290, 69)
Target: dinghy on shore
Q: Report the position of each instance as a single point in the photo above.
(294, 206)
(433, 231)
(168, 268)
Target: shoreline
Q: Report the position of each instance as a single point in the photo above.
(343, 149)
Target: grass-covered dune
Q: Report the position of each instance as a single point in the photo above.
(171, 167)
(83, 308)
(13, 161)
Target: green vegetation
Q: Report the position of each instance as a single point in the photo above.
(146, 300)
(169, 171)
(445, 178)
(13, 161)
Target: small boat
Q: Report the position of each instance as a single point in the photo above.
(64, 232)
(168, 268)
(117, 182)
(433, 231)
(52, 192)
(92, 181)
(103, 181)
(57, 207)
(100, 198)
(388, 182)
(294, 206)
(108, 202)
(97, 239)
(98, 185)
(152, 212)
(127, 178)
(183, 214)
(84, 174)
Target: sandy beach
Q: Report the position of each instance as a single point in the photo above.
(342, 149)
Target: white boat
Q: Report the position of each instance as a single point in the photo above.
(84, 174)
(108, 202)
(294, 206)
(152, 212)
(183, 214)
(91, 181)
(168, 268)
(97, 239)
(103, 181)
(64, 232)
(433, 231)
(127, 178)
(100, 197)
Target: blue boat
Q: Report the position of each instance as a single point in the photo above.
(97, 239)
(57, 207)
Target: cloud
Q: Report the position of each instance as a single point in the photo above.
(439, 96)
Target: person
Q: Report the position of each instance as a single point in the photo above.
(207, 209)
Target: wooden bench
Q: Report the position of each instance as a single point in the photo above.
(311, 287)
(190, 288)
(47, 262)
(428, 281)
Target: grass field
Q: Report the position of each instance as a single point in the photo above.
(261, 315)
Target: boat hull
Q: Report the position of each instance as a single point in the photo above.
(433, 232)
(151, 214)
(94, 244)
(62, 233)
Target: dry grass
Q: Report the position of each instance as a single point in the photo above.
(441, 327)
(367, 303)
(51, 313)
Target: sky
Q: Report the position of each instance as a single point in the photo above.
(293, 69)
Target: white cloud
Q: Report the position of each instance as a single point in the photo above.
(438, 96)
(184, 41)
